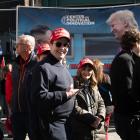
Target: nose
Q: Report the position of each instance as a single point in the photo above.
(63, 47)
(111, 29)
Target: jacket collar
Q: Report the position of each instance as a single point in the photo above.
(19, 58)
(52, 60)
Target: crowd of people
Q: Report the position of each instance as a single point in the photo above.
(39, 97)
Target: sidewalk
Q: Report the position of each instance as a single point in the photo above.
(112, 134)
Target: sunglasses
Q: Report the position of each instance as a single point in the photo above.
(59, 44)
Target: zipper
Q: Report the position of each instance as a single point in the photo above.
(22, 75)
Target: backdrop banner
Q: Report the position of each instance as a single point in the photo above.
(76, 20)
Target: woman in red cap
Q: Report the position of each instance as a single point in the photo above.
(89, 114)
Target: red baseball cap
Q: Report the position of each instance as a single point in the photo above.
(85, 61)
(58, 33)
(42, 48)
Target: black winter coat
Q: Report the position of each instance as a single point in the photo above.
(121, 75)
(50, 81)
(22, 84)
(136, 86)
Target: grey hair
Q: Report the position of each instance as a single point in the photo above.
(126, 16)
(27, 39)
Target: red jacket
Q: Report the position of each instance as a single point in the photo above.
(8, 87)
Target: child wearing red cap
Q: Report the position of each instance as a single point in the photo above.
(89, 113)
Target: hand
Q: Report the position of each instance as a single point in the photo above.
(96, 123)
(71, 91)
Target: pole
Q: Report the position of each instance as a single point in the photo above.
(33, 3)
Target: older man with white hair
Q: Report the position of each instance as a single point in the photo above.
(21, 76)
(124, 74)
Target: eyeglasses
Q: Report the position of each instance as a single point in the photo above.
(59, 44)
(21, 44)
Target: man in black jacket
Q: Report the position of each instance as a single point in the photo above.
(122, 75)
(52, 88)
(21, 77)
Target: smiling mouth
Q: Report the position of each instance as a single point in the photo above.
(61, 52)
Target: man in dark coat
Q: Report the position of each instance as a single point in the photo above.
(21, 77)
(125, 86)
(52, 89)
(122, 75)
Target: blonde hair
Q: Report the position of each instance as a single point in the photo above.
(98, 73)
(125, 16)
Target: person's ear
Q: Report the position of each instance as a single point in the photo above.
(126, 24)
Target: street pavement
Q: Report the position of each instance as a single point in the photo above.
(112, 134)
(112, 131)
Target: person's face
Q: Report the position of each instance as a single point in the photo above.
(60, 48)
(24, 49)
(136, 49)
(86, 72)
(118, 28)
(10, 67)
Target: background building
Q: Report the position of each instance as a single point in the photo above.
(82, 42)
(85, 3)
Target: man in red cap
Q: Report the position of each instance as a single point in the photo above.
(52, 88)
